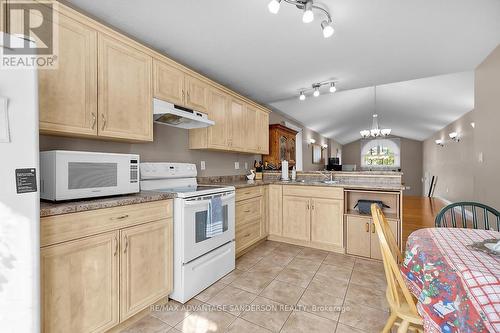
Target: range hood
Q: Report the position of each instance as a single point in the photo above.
(174, 115)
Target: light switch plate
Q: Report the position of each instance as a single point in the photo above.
(480, 157)
(236, 165)
(4, 121)
(202, 165)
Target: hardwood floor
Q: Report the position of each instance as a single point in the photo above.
(418, 213)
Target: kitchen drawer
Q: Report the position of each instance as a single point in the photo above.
(247, 234)
(61, 228)
(249, 192)
(249, 210)
(314, 191)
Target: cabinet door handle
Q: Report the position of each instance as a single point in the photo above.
(247, 235)
(367, 227)
(188, 97)
(126, 245)
(116, 247)
(308, 206)
(103, 121)
(373, 229)
(94, 120)
(183, 94)
(122, 217)
(247, 211)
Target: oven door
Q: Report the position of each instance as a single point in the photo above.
(197, 216)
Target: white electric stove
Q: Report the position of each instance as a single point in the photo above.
(199, 260)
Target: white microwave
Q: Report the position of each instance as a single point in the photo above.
(68, 175)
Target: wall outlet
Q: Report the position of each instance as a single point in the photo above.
(246, 165)
(202, 165)
(236, 165)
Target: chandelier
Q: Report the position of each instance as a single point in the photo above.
(307, 7)
(375, 131)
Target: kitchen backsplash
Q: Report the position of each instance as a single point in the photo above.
(170, 145)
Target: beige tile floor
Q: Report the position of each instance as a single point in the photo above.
(284, 288)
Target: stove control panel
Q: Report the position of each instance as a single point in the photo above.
(164, 170)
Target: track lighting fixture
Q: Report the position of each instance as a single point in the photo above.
(308, 8)
(439, 142)
(316, 89)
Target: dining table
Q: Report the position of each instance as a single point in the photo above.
(457, 286)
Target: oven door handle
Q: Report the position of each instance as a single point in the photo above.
(204, 202)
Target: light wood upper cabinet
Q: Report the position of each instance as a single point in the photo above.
(146, 265)
(296, 218)
(79, 285)
(237, 125)
(263, 132)
(327, 222)
(275, 210)
(252, 129)
(68, 94)
(218, 111)
(168, 82)
(125, 91)
(196, 93)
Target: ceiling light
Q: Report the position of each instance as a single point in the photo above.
(308, 15)
(454, 136)
(473, 124)
(439, 142)
(302, 97)
(375, 131)
(324, 146)
(327, 29)
(365, 133)
(274, 6)
(332, 87)
(316, 92)
(385, 131)
(312, 141)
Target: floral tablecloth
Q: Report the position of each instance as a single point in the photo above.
(458, 289)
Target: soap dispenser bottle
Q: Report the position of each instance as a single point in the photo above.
(294, 173)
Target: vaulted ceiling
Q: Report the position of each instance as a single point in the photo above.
(269, 57)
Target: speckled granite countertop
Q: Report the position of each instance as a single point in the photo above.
(66, 207)
(351, 186)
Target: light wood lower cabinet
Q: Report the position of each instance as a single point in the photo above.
(93, 283)
(362, 238)
(307, 215)
(275, 210)
(326, 222)
(146, 266)
(250, 217)
(79, 285)
(297, 218)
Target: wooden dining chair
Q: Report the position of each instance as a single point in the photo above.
(469, 215)
(400, 299)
